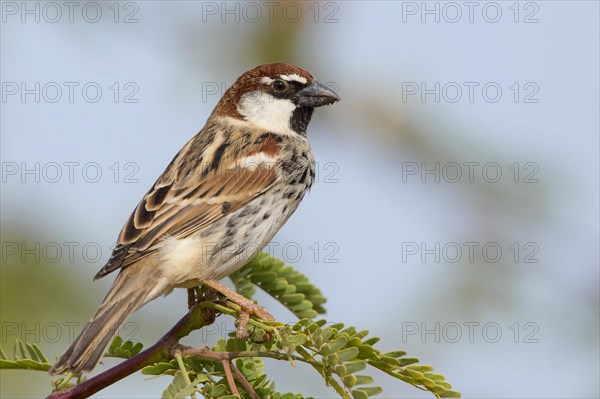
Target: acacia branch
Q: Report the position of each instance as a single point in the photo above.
(200, 315)
(210, 355)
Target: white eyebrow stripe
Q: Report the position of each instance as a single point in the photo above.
(294, 76)
(266, 80)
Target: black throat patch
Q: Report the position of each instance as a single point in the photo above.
(300, 119)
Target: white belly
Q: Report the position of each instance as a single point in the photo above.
(225, 245)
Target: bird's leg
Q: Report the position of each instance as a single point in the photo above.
(247, 306)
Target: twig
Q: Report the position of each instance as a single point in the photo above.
(229, 376)
(168, 347)
(199, 316)
(245, 382)
(191, 297)
(334, 384)
(208, 354)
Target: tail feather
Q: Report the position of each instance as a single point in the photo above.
(127, 294)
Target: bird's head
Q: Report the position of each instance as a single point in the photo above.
(275, 97)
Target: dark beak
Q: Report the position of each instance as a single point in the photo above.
(316, 95)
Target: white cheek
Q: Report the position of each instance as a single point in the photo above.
(267, 112)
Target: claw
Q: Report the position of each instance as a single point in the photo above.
(247, 307)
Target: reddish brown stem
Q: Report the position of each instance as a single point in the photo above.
(198, 317)
(229, 376)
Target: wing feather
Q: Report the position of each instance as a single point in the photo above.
(179, 206)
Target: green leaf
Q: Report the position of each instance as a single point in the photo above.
(161, 368)
(32, 353)
(363, 379)
(308, 313)
(394, 354)
(342, 356)
(20, 351)
(351, 331)
(415, 374)
(420, 368)
(288, 299)
(300, 307)
(408, 361)
(179, 388)
(116, 342)
(450, 394)
(39, 353)
(359, 394)
(373, 341)
(124, 350)
(26, 357)
(283, 283)
(435, 377)
(24, 364)
(366, 392)
(351, 380)
(334, 345)
(235, 345)
(350, 367)
(263, 277)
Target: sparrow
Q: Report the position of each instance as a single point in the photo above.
(216, 206)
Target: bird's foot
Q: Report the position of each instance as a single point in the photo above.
(247, 307)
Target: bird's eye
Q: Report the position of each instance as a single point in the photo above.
(279, 85)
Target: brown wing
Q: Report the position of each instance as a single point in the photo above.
(194, 192)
